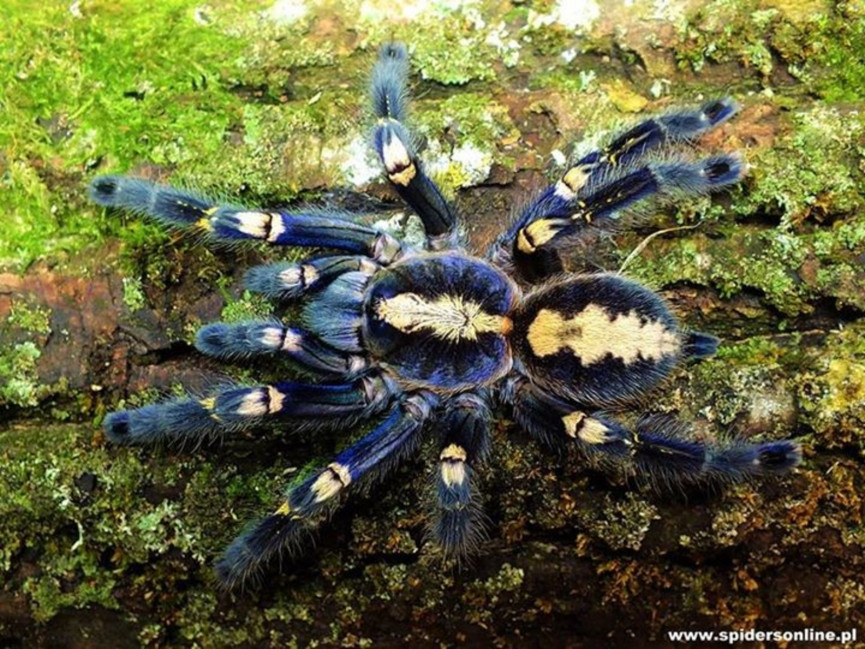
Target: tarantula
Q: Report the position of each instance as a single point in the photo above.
(431, 339)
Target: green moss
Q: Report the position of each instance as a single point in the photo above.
(468, 117)
(620, 523)
(791, 271)
(173, 93)
(469, 57)
(756, 350)
(44, 493)
(133, 294)
(25, 330)
(481, 597)
(811, 174)
(19, 381)
(29, 317)
(250, 306)
(812, 41)
(85, 505)
(833, 73)
(833, 389)
(464, 135)
(565, 80)
(811, 170)
(67, 104)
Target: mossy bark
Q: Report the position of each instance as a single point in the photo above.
(265, 104)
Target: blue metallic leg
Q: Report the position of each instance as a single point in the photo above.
(307, 504)
(628, 148)
(286, 281)
(180, 208)
(394, 145)
(271, 338)
(658, 451)
(603, 199)
(305, 406)
(566, 198)
(457, 522)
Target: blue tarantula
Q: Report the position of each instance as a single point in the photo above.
(432, 338)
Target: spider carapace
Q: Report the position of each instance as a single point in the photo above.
(432, 340)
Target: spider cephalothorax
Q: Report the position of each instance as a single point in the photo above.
(436, 335)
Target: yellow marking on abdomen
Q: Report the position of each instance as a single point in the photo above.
(448, 316)
(591, 334)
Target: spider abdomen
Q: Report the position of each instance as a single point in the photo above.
(596, 339)
(441, 321)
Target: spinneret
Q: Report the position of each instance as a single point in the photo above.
(415, 340)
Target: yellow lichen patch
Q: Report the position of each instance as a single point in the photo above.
(624, 98)
(448, 316)
(591, 334)
(846, 381)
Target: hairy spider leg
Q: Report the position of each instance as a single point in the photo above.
(394, 143)
(180, 208)
(287, 281)
(246, 340)
(457, 523)
(334, 286)
(603, 198)
(238, 408)
(658, 450)
(308, 503)
(626, 149)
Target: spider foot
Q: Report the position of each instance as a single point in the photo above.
(307, 504)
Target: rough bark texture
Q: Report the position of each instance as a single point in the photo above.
(101, 546)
